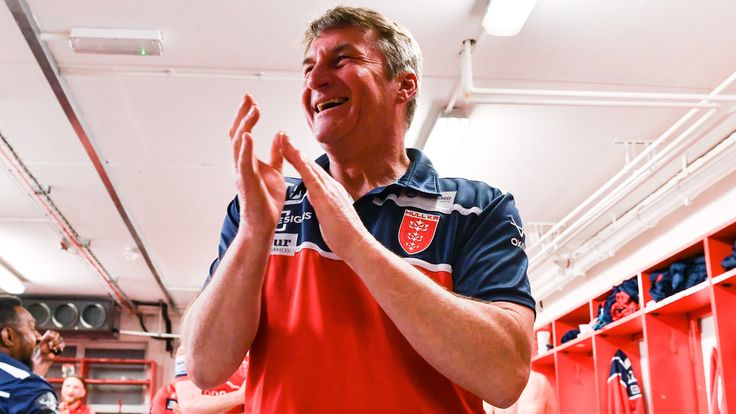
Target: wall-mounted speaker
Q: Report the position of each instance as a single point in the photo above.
(82, 316)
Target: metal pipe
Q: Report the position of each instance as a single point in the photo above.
(72, 70)
(695, 178)
(643, 156)
(466, 66)
(453, 99)
(150, 334)
(29, 183)
(579, 102)
(603, 94)
(467, 82)
(660, 159)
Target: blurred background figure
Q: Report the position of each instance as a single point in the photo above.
(73, 392)
(182, 396)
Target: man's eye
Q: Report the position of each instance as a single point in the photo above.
(307, 70)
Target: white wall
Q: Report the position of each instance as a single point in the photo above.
(709, 211)
(155, 349)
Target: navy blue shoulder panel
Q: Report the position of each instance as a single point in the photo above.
(489, 260)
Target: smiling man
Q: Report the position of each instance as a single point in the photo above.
(370, 284)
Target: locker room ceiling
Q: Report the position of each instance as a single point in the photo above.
(159, 123)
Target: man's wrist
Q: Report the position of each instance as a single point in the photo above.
(365, 254)
(249, 233)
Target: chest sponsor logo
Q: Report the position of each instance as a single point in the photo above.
(284, 244)
(296, 197)
(417, 231)
(287, 217)
(518, 242)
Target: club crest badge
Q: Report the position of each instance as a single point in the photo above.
(417, 231)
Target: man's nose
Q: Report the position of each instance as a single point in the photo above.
(319, 76)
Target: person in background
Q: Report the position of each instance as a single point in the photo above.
(25, 357)
(165, 401)
(228, 397)
(73, 393)
(182, 396)
(370, 284)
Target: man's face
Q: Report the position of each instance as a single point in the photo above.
(346, 90)
(24, 338)
(72, 390)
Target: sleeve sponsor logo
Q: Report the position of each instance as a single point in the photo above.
(284, 244)
(417, 231)
(518, 242)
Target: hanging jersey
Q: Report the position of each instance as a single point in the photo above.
(624, 394)
(324, 345)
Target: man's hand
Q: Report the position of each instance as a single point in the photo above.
(260, 186)
(48, 347)
(341, 227)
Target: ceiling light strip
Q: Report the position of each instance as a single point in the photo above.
(31, 186)
(26, 24)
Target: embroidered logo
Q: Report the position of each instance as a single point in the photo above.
(417, 231)
(518, 227)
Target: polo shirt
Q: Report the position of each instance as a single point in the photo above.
(22, 391)
(164, 401)
(324, 345)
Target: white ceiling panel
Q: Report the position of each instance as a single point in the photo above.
(678, 44)
(13, 48)
(32, 120)
(517, 148)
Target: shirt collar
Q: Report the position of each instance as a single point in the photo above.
(14, 362)
(421, 175)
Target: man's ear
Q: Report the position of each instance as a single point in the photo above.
(408, 86)
(7, 336)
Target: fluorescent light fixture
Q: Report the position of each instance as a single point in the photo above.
(116, 41)
(507, 17)
(9, 282)
(445, 139)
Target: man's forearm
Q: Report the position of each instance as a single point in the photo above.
(220, 325)
(482, 347)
